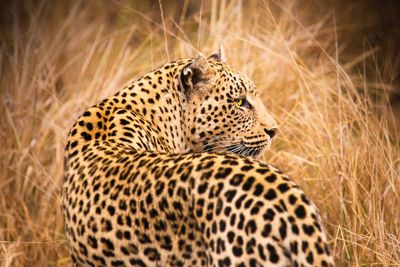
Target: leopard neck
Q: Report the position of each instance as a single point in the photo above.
(158, 100)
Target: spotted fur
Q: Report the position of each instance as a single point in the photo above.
(165, 173)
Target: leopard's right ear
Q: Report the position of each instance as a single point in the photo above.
(194, 73)
(220, 56)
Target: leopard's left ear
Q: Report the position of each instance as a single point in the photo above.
(220, 56)
(194, 73)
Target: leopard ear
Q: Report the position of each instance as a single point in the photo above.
(194, 73)
(220, 56)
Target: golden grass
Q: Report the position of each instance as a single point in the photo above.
(338, 142)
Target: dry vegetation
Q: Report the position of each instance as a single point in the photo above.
(338, 135)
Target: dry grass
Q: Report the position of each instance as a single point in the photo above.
(338, 142)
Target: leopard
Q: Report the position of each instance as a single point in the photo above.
(168, 171)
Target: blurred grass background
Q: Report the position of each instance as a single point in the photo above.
(328, 71)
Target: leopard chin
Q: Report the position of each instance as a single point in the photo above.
(243, 150)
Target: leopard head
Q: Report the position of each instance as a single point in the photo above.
(223, 111)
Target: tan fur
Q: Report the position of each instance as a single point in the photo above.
(163, 174)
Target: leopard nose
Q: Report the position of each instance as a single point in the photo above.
(271, 132)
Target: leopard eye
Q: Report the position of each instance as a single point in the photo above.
(243, 103)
